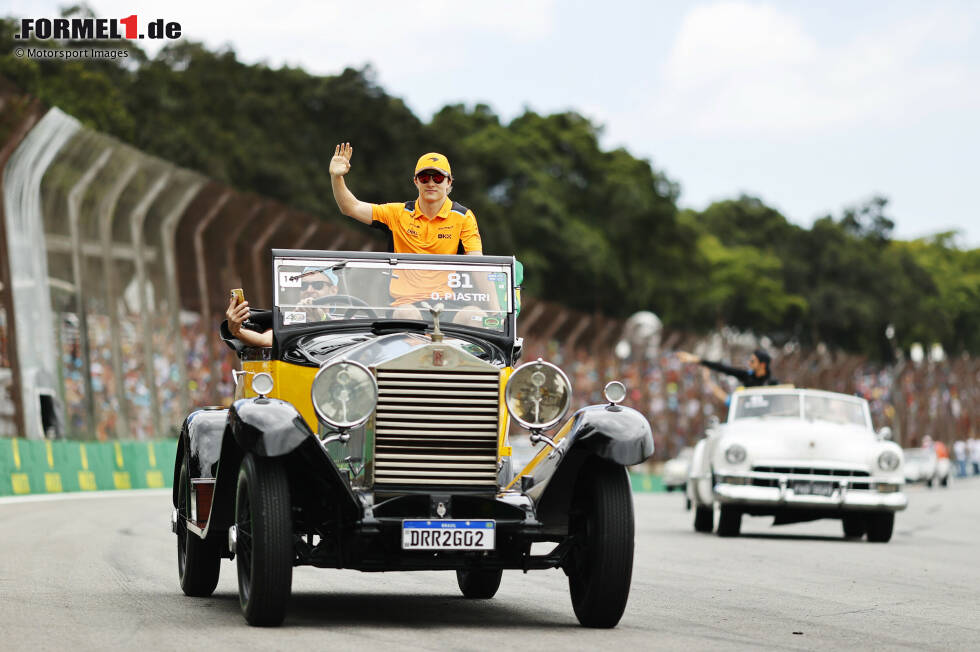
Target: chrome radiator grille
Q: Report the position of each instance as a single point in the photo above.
(812, 470)
(808, 473)
(436, 428)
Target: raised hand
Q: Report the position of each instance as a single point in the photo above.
(686, 357)
(340, 163)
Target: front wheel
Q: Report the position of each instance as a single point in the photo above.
(479, 584)
(729, 521)
(198, 561)
(880, 526)
(600, 567)
(855, 525)
(263, 520)
(704, 518)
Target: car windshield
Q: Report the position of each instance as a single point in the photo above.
(754, 406)
(325, 289)
(834, 410)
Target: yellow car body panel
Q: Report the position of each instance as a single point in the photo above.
(290, 383)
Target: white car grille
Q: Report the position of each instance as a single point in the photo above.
(768, 475)
(436, 429)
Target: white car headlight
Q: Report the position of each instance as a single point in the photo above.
(889, 460)
(344, 394)
(538, 394)
(735, 454)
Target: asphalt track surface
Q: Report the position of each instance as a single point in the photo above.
(99, 573)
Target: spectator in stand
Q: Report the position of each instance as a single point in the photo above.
(959, 452)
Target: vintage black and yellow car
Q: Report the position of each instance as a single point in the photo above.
(374, 435)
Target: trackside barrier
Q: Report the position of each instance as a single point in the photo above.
(646, 482)
(29, 466)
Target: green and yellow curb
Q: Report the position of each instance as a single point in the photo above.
(30, 466)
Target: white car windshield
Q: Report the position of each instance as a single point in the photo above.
(834, 410)
(754, 406)
(318, 290)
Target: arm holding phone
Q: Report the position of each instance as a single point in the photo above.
(237, 313)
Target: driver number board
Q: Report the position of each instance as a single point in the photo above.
(437, 534)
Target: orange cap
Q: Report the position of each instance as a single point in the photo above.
(433, 161)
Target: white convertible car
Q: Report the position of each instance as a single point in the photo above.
(798, 455)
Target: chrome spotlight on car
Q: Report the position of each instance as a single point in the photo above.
(262, 384)
(344, 394)
(615, 392)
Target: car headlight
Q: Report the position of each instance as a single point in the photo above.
(889, 461)
(344, 394)
(538, 394)
(735, 454)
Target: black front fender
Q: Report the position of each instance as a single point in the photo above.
(618, 434)
(267, 427)
(200, 442)
(216, 441)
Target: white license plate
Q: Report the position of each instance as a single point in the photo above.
(813, 488)
(448, 535)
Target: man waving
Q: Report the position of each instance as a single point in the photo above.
(430, 224)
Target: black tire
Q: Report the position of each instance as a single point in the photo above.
(687, 503)
(855, 525)
(479, 584)
(945, 481)
(600, 565)
(929, 483)
(880, 526)
(198, 561)
(704, 518)
(265, 540)
(729, 521)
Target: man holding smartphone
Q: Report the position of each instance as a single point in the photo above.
(315, 285)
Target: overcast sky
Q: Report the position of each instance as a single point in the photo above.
(811, 106)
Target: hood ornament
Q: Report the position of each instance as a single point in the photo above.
(435, 311)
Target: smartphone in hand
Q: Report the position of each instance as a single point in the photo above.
(239, 295)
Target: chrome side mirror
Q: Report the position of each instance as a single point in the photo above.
(885, 433)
